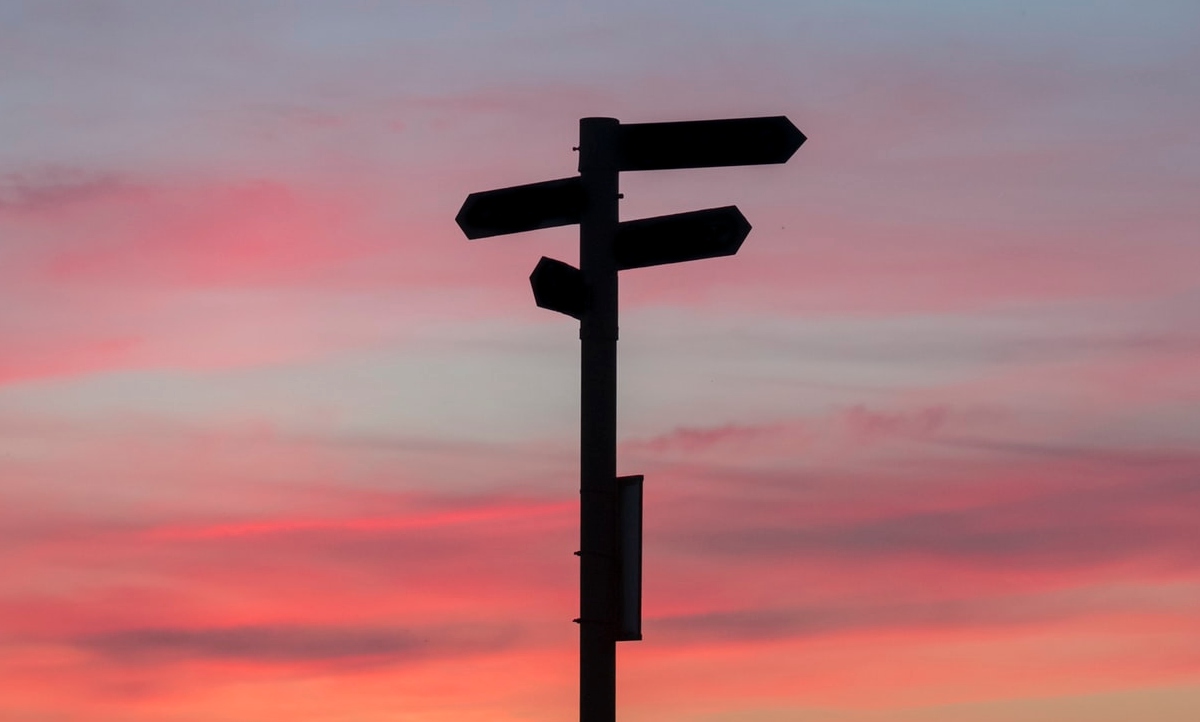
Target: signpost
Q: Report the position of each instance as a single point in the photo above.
(610, 506)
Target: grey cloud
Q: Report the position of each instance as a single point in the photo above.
(764, 625)
(50, 189)
(284, 644)
(1088, 523)
(1114, 456)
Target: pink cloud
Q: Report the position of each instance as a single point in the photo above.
(838, 433)
(868, 424)
(690, 439)
(836, 266)
(38, 358)
(506, 513)
(113, 274)
(250, 233)
(996, 550)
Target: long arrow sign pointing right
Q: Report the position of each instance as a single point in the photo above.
(681, 237)
(707, 143)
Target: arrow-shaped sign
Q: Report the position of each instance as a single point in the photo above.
(559, 287)
(521, 208)
(681, 237)
(707, 143)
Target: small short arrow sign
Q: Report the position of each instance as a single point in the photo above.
(521, 208)
(707, 143)
(680, 237)
(559, 287)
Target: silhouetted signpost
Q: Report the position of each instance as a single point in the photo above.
(610, 506)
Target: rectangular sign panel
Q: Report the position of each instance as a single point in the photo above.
(522, 208)
(629, 503)
(707, 143)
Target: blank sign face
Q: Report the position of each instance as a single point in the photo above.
(629, 491)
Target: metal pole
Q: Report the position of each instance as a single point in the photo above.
(598, 602)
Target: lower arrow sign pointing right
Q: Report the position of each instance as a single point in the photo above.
(681, 237)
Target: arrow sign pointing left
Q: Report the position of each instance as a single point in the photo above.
(681, 237)
(521, 208)
(559, 287)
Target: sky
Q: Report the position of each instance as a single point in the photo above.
(278, 442)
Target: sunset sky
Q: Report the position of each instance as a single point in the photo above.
(278, 443)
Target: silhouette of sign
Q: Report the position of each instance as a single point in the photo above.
(610, 538)
(681, 237)
(521, 208)
(559, 287)
(629, 561)
(707, 143)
